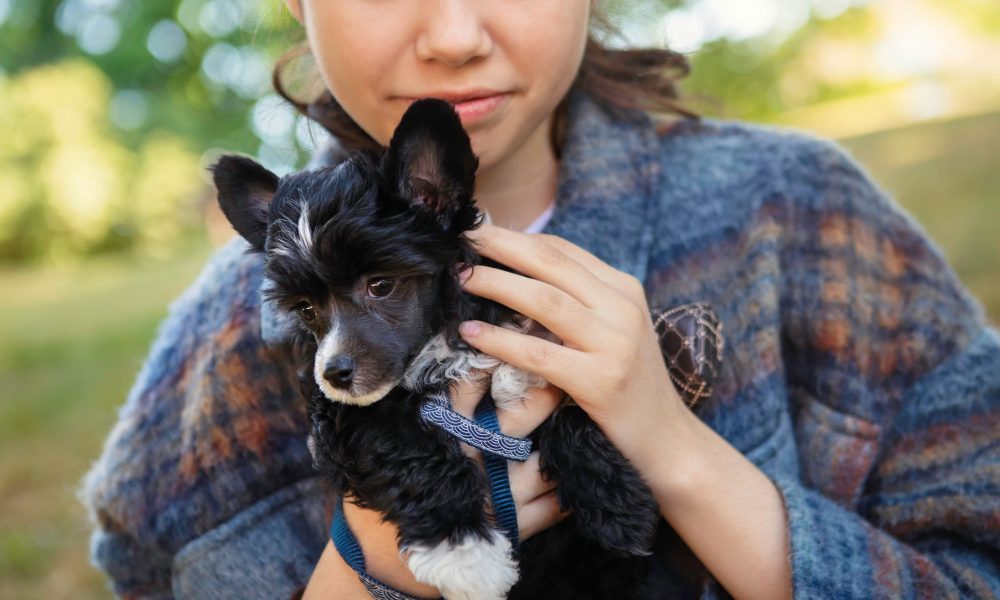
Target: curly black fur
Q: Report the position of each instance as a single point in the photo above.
(403, 215)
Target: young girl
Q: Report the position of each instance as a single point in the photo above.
(849, 450)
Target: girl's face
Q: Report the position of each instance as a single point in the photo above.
(518, 56)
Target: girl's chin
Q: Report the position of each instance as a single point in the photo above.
(484, 151)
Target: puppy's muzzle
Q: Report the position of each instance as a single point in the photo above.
(340, 372)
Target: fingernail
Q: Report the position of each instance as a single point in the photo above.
(464, 274)
(470, 328)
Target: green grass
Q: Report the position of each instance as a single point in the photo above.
(73, 340)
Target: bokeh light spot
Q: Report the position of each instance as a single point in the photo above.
(166, 41)
(5, 6)
(129, 109)
(272, 118)
(219, 18)
(98, 34)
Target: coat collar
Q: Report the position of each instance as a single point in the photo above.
(607, 194)
(608, 187)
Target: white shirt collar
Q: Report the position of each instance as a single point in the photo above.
(537, 225)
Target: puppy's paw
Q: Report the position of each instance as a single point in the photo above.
(473, 569)
(625, 534)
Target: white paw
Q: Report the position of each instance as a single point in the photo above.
(473, 569)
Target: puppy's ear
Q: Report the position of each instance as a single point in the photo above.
(245, 193)
(430, 160)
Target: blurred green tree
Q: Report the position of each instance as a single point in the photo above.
(194, 76)
(107, 101)
(177, 65)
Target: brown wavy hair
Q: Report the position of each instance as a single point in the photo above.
(644, 79)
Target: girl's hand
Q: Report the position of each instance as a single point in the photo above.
(609, 362)
(534, 500)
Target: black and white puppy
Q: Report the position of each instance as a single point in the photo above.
(365, 255)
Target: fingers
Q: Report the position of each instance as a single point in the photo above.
(538, 515)
(526, 481)
(465, 395)
(559, 312)
(520, 420)
(497, 243)
(552, 362)
(534, 497)
(533, 256)
(619, 281)
(596, 266)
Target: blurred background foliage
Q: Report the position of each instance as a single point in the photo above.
(110, 107)
(110, 112)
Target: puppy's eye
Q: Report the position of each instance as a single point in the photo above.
(381, 287)
(307, 312)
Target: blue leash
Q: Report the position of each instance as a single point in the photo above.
(496, 470)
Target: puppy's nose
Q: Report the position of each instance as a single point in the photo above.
(340, 371)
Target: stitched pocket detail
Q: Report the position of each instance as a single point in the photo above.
(836, 450)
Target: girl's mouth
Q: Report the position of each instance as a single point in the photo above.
(472, 107)
(477, 109)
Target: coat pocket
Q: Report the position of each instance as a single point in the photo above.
(836, 450)
(266, 551)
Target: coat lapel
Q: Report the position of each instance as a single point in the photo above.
(608, 185)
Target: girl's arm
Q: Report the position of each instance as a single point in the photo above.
(929, 525)
(333, 579)
(724, 508)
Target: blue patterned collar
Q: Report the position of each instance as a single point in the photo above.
(606, 200)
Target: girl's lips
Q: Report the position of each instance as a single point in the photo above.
(477, 109)
(473, 110)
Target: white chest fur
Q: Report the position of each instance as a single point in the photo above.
(437, 363)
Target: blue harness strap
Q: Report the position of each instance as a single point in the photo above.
(438, 412)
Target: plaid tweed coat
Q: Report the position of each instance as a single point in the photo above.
(859, 375)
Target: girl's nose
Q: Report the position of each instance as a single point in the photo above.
(453, 32)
